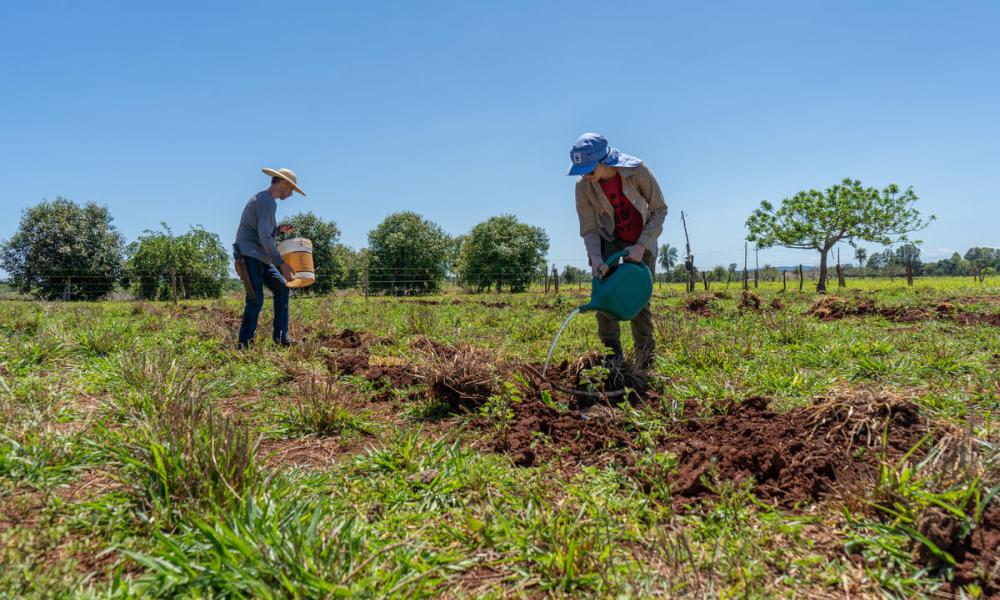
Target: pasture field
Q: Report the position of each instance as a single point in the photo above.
(783, 445)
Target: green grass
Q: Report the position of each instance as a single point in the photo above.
(129, 464)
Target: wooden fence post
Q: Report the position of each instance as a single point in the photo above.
(704, 278)
(802, 277)
(555, 279)
(784, 280)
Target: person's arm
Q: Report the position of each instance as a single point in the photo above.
(589, 228)
(266, 226)
(657, 208)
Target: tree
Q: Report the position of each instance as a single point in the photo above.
(195, 264)
(668, 257)
(329, 257)
(503, 251)
(860, 254)
(407, 254)
(846, 212)
(907, 254)
(982, 258)
(718, 273)
(573, 274)
(64, 250)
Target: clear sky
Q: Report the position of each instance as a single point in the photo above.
(463, 110)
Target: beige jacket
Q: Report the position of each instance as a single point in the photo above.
(597, 216)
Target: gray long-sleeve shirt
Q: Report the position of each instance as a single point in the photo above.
(255, 235)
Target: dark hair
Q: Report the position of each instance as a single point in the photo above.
(276, 179)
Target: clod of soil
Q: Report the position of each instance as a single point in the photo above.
(750, 301)
(977, 555)
(835, 307)
(539, 432)
(802, 455)
(777, 304)
(701, 304)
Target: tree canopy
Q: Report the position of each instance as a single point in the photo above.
(815, 220)
(502, 251)
(196, 262)
(64, 250)
(408, 254)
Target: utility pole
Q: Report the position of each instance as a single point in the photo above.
(689, 259)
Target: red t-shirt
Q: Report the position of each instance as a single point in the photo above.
(628, 221)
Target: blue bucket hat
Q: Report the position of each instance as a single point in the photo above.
(593, 148)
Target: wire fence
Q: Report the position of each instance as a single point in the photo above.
(85, 284)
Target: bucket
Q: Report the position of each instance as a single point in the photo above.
(298, 253)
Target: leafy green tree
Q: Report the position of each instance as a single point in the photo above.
(329, 260)
(981, 258)
(503, 251)
(408, 254)
(668, 257)
(907, 254)
(573, 274)
(817, 220)
(860, 254)
(64, 250)
(196, 262)
(718, 273)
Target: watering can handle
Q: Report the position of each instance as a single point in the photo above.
(611, 260)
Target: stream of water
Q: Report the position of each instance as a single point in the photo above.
(555, 341)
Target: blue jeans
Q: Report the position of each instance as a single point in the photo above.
(260, 275)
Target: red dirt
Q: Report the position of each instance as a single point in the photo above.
(351, 357)
(701, 304)
(978, 553)
(540, 432)
(789, 460)
(835, 307)
(750, 301)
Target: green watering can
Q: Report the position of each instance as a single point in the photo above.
(624, 291)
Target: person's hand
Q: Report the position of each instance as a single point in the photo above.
(287, 272)
(597, 267)
(286, 229)
(635, 253)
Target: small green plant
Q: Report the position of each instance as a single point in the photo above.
(499, 408)
(592, 378)
(317, 409)
(184, 453)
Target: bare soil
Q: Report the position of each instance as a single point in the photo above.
(831, 308)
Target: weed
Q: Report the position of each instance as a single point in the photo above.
(317, 409)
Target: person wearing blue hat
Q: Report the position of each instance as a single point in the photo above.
(620, 207)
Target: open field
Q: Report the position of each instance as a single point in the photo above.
(782, 446)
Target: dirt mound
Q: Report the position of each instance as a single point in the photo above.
(835, 307)
(750, 301)
(969, 318)
(777, 304)
(349, 355)
(829, 308)
(975, 555)
(539, 432)
(347, 339)
(465, 376)
(798, 456)
(701, 304)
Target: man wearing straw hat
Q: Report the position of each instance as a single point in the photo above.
(257, 259)
(620, 207)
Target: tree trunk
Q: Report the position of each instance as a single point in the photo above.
(821, 284)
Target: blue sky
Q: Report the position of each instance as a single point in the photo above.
(465, 110)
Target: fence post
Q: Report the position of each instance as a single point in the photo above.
(784, 280)
(546, 279)
(802, 278)
(366, 282)
(555, 279)
(173, 286)
(67, 291)
(704, 278)
(909, 274)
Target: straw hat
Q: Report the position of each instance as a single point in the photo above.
(286, 174)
